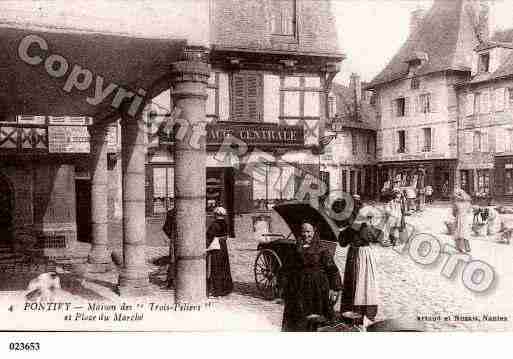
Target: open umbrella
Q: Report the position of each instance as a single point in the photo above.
(294, 213)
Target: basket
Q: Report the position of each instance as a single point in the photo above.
(479, 229)
(328, 246)
(451, 227)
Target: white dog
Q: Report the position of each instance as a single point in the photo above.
(43, 288)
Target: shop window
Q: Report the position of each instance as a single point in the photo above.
(483, 182)
(466, 180)
(213, 96)
(271, 185)
(284, 17)
(246, 97)
(401, 141)
(508, 181)
(163, 189)
(427, 139)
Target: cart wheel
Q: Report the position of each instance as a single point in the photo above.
(267, 265)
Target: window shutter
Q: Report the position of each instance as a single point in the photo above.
(484, 141)
(417, 140)
(433, 102)
(470, 104)
(406, 106)
(499, 99)
(500, 139)
(418, 105)
(392, 109)
(253, 98)
(238, 98)
(485, 102)
(469, 141)
(434, 142)
(395, 143)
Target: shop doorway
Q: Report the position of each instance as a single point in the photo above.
(220, 186)
(83, 200)
(443, 183)
(6, 212)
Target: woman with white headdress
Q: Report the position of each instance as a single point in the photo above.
(359, 293)
(219, 277)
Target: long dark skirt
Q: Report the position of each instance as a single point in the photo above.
(359, 294)
(304, 294)
(219, 281)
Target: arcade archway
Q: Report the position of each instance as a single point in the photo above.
(6, 211)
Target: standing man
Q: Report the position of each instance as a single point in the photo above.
(169, 229)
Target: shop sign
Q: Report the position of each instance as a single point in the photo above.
(68, 139)
(256, 134)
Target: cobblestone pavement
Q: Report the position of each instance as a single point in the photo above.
(406, 289)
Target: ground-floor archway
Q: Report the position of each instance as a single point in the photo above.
(6, 211)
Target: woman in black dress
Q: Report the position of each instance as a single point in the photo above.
(219, 277)
(310, 282)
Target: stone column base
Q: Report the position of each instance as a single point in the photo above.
(133, 283)
(99, 267)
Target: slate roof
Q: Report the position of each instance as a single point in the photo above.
(367, 118)
(446, 34)
(502, 38)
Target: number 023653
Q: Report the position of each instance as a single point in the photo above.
(21, 346)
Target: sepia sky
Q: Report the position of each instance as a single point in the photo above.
(371, 31)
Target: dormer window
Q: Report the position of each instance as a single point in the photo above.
(484, 62)
(415, 83)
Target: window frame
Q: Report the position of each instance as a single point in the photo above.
(481, 67)
(400, 104)
(401, 135)
(427, 145)
(425, 103)
(301, 89)
(278, 12)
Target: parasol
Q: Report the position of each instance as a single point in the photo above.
(294, 213)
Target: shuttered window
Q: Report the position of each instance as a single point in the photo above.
(469, 110)
(246, 97)
(284, 17)
(499, 99)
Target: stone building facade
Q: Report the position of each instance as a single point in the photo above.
(350, 157)
(417, 100)
(485, 128)
(272, 63)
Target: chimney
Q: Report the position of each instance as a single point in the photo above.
(416, 18)
(356, 86)
(483, 27)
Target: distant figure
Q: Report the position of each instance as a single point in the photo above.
(429, 194)
(462, 211)
(169, 229)
(311, 282)
(219, 277)
(394, 212)
(494, 223)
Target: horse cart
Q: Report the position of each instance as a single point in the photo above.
(273, 253)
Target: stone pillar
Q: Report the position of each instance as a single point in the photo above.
(188, 81)
(99, 257)
(134, 275)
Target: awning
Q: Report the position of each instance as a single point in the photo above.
(123, 46)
